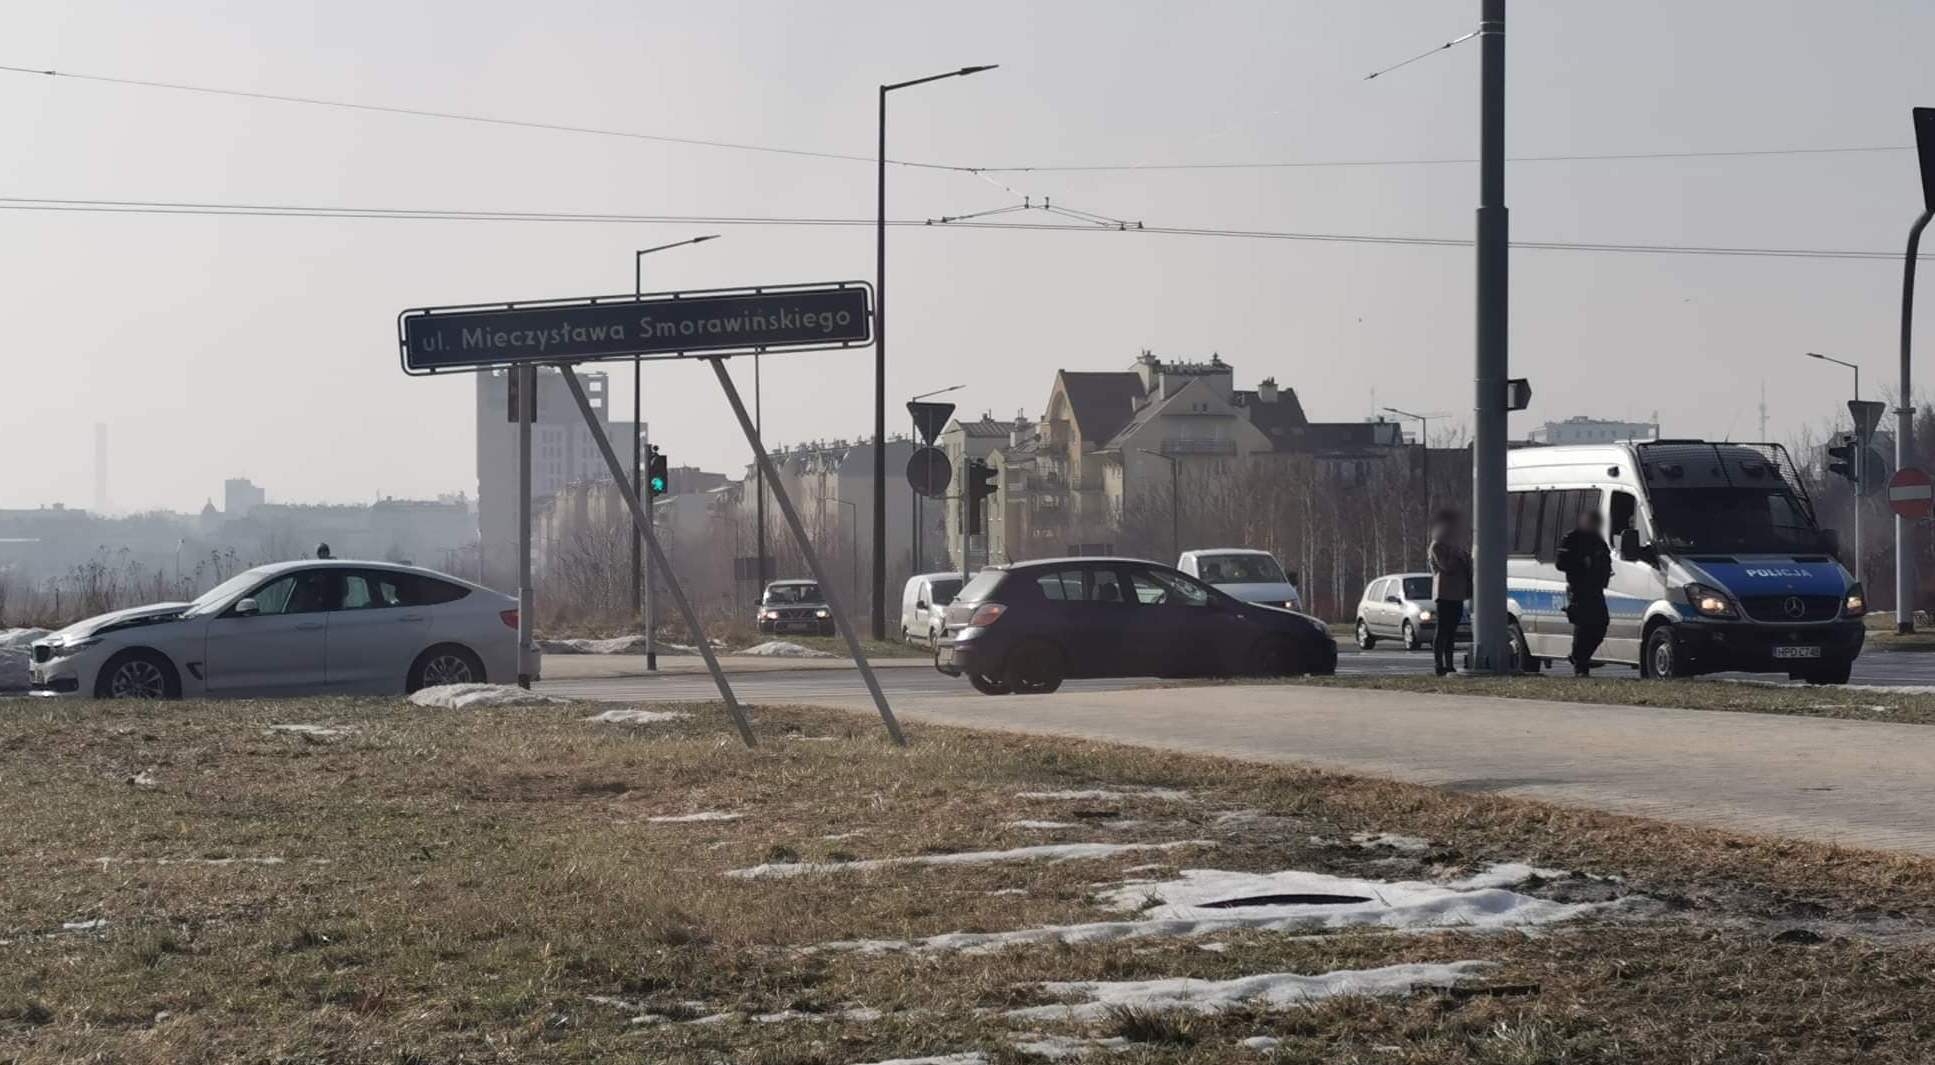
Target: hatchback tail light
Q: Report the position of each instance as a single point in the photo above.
(986, 614)
(508, 617)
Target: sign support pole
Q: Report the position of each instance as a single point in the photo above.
(657, 555)
(651, 597)
(841, 619)
(1489, 650)
(526, 595)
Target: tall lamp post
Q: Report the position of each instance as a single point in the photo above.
(920, 508)
(638, 422)
(880, 358)
(1860, 461)
(1424, 454)
(1490, 650)
(1175, 498)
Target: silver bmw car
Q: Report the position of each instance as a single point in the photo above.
(290, 628)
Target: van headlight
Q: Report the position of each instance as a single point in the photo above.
(823, 613)
(769, 615)
(1856, 603)
(1709, 601)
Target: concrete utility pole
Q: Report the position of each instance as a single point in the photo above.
(1905, 413)
(1490, 650)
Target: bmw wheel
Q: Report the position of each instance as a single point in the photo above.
(447, 664)
(138, 675)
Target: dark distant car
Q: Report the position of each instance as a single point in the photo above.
(795, 606)
(1024, 628)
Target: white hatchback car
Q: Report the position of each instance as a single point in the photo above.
(290, 628)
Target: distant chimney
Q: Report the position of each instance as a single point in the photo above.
(1266, 390)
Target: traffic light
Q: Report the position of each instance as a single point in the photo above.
(980, 485)
(658, 476)
(1841, 458)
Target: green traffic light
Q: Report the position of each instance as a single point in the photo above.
(658, 484)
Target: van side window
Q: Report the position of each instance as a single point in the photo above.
(1522, 523)
(1625, 511)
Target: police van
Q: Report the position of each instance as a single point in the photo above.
(1718, 563)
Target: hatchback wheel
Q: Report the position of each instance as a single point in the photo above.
(1411, 641)
(1034, 668)
(987, 685)
(137, 675)
(448, 664)
(1365, 641)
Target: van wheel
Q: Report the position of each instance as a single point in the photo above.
(1034, 668)
(1661, 658)
(986, 685)
(1827, 673)
(1411, 642)
(1521, 651)
(1365, 641)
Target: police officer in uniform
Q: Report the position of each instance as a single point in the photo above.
(1586, 562)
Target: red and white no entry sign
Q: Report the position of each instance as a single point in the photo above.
(1911, 494)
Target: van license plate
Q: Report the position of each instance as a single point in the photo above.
(1797, 652)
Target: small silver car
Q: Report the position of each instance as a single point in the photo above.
(1399, 607)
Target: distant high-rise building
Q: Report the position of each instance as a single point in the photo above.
(240, 496)
(100, 468)
(563, 452)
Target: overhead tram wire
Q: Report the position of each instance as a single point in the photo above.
(557, 127)
(151, 207)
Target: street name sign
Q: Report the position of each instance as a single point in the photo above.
(1911, 494)
(666, 325)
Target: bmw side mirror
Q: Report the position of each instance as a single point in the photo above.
(247, 608)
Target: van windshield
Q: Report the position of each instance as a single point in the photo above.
(1748, 520)
(1239, 569)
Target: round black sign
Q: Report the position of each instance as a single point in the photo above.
(928, 471)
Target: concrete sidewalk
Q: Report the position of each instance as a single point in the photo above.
(1856, 783)
(581, 667)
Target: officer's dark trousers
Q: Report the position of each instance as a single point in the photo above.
(1589, 620)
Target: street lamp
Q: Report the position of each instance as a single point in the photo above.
(880, 358)
(638, 421)
(919, 558)
(1175, 498)
(1860, 461)
(1424, 447)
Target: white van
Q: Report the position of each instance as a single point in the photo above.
(1243, 573)
(1718, 563)
(923, 605)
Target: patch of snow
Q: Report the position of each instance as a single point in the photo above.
(1407, 844)
(1167, 794)
(1060, 1047)
(1180, 907)
(20, 639)
(145, 779)
(845, 835)
(1145, 868)
(16, 670)
(1040, 824)
(475, 696)
(686, 819)
(218, 862)
(783, 649)
(94, 925)
(1213, 948)
(1099, 997)
(812, 739)
(971, 1058)
(636, 717)
(320, 732)
(1009, 891)
(1053, 852)
(633, 644)
(1261, 1043)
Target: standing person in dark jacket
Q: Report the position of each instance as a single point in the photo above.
(1450, 586)
(1586, 562)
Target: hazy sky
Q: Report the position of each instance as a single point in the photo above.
(264, 347)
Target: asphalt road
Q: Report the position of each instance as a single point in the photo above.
(1875, 668)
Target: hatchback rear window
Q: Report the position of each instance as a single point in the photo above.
(982, 586)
